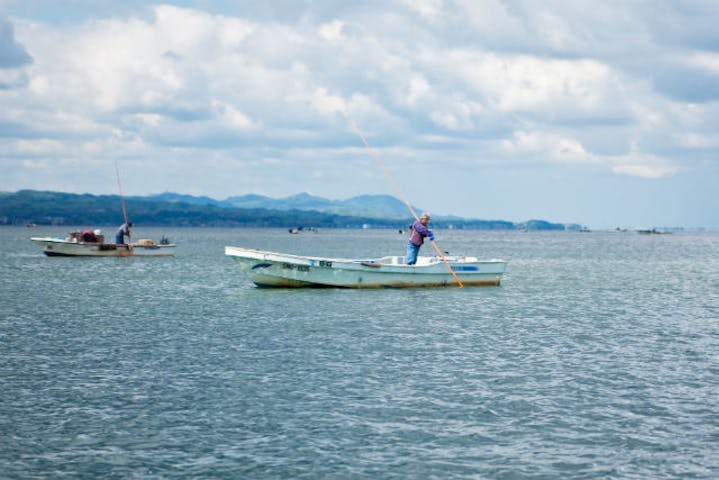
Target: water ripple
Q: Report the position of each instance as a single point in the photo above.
(597, 358)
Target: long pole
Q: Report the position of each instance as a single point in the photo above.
(401, 195)
(122, 201)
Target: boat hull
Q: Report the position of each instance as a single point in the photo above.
(57, 247)
(270, 269)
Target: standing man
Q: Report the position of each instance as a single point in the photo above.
(121, 232)
(417, 233)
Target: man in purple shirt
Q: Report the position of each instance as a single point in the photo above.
(417, 233)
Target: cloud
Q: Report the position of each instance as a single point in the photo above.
(524, 83)
(708, 61)
(13, 56)
(429, 9)
(558, 149)
(12, 53)
(331, 32)
(514, 84)
(639, 167)
(698, 140)
(327, 104)
(548, 146)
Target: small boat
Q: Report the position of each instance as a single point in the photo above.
(270, 269)
(90, 243)
(76, 246)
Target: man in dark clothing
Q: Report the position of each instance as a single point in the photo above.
(122, 232)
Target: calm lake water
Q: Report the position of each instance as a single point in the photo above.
(598, 357)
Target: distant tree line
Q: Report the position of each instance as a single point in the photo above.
(57, 208)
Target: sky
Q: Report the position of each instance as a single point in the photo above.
(604, 113)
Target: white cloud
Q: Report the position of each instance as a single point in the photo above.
(708, 61)
(555, 30)
(698, 140)
(512, 83)
(232, 116)
(331, 32)
(457, 114)
(11, 79)
(548, 146)
(522, 83)
(429, 9)
(34, 147)
(327, 104)
(640, 168)
(418, 87)
(555, 148)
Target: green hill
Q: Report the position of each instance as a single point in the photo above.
(169, 209)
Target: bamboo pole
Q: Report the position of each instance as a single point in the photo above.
(402, 196)
(122, 202)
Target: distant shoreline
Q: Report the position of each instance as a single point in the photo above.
(33, 207)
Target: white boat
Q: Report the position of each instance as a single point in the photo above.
(74, 247)
(285, 270)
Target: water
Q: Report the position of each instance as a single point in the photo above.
(598, 357)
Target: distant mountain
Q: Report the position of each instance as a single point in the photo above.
(373, 206)
(384, 206)
(248, 201)
(301, 201)
(180, 198)
(172, 209)
(58, 208)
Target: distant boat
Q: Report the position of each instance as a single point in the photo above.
(77, 246)
(295, 231)
(270, 269)
(90, 243)
(652, 231)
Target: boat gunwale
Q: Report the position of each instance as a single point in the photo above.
(92, 244)
(354, 264)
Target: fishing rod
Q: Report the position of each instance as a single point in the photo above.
(402, 196)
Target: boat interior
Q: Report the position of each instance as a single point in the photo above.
(400, 260)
